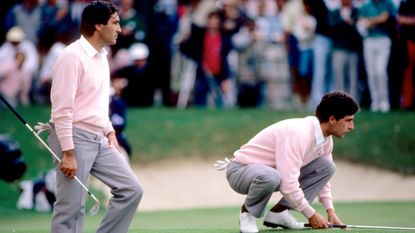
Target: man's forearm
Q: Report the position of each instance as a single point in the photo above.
(379, 19)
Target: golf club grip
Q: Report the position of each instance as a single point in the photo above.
(12, 109)
(338, 226)
(330, 225)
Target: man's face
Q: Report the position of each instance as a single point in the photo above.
(110, 31)
(346, 2)
(213, 22)
(140, 63)
(340, 127)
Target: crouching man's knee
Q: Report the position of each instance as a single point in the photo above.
(331, 167)
(137, 192)
(328, 167)
(269, 180)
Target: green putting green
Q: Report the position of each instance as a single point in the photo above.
(222, 220)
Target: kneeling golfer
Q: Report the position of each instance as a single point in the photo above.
(293, 156)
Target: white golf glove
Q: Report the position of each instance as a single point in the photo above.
(222, 164)
(40, 127)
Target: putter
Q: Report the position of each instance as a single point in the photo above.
(95, 207)
(367, 227)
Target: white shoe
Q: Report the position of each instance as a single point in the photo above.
(247, 223)
(283, 219)
(384, 106)
(374, 107)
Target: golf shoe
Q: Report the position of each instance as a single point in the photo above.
(247, 223)
(283, 219)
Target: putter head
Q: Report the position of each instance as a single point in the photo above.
(94, 209)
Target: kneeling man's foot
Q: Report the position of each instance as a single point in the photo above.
(282, 219)
(247, 223)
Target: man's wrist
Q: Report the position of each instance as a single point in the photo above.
(69, 153)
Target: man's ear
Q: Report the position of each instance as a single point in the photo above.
(332, 119)
(98, 27)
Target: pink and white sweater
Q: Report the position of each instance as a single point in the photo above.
(80, 92)
(288, 146)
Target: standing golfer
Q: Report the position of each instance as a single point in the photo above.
(82, 134)
(294, 157)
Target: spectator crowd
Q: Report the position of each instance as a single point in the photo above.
(280, 54)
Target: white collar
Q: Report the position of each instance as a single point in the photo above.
(89, 49)
(318, 133)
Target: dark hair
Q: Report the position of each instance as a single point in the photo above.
(214, 13)
(96, 12)
(338, 104)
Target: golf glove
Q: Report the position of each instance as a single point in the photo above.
(40, 127)
(222, 164)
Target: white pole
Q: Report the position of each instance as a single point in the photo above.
(381, 227)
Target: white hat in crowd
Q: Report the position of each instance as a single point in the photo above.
(138, 51)
(15, 34)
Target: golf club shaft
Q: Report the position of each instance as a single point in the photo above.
(376, 227)
(366, 227)
(44, 144)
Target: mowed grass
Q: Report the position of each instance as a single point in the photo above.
(222, 220)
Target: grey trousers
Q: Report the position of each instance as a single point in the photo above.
(258, 182)
(94, 157)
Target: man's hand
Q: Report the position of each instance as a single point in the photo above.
(226, 85)
(112, 140)
(68, 164)
(317, 221)
(332, 217)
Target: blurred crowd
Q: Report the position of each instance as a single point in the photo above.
(280, 54)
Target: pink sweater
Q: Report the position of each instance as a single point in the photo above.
(287, 146)
(80, 92)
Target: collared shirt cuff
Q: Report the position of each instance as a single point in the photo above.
(308, 212)
(327, 203)
(66, 143)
